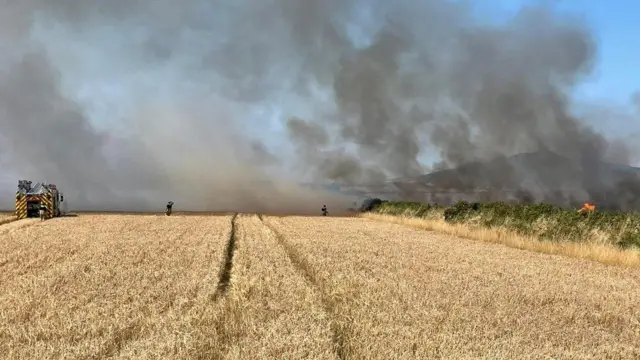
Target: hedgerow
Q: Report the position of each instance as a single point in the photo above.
(409, 209)
(544, 221)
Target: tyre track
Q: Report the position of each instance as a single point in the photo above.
(224, 277)
(340, 332)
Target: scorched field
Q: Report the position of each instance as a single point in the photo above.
(254, 287)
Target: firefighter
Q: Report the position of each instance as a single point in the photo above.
(42, 211)
(169, 207)
(324, 210)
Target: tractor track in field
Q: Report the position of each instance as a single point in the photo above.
(224, 277)
(340, 333)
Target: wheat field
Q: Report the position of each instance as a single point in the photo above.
(6, 217)
(594, 249)
(257, 287)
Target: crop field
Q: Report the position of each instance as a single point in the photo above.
(6, 217)
(256, 287)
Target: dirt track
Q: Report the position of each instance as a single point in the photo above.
(321, 288)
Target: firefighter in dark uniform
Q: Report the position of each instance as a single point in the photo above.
(324, 210)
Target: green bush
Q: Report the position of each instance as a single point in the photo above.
(404, 208)
(542, 220)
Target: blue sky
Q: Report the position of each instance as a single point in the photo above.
(616, 24)
(617, 27)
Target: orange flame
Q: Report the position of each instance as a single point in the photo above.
(587, 207)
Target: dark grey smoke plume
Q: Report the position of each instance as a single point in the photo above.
(181, 93)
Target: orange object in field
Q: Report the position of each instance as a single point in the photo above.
(587, 207)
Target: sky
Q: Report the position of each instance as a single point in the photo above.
(616, 75)
(107, 91)
(616, 25)
(196, 89)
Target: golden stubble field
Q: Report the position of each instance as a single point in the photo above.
(250, 287)
(6, 217)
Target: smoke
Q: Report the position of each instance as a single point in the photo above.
(126, 105)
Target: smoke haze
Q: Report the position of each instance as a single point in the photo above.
(126, 105)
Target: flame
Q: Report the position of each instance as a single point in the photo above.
(586, 207)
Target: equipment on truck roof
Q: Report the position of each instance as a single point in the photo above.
(29, 199)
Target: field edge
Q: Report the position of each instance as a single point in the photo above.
(601, 253)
